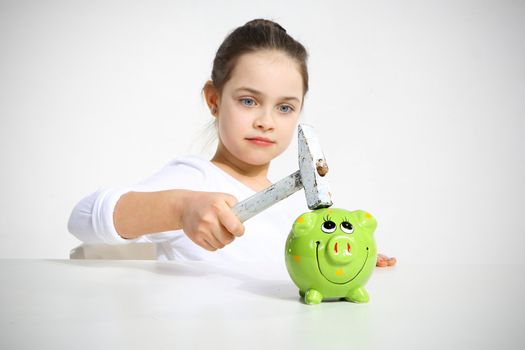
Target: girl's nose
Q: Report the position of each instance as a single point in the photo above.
(264, 121)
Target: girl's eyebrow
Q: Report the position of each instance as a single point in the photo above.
(256, 92)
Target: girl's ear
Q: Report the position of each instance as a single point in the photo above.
(212, 97)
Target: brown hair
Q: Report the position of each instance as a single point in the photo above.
(258, 34)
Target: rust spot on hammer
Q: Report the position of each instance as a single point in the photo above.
(322, 167)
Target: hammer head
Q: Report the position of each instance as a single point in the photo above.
(313, 168)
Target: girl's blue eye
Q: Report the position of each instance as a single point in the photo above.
(247, 102)
(285, 109)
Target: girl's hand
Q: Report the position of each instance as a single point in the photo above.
(207, 219)
(384, 261)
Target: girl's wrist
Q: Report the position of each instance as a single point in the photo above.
(178, 200)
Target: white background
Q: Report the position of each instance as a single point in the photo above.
(419, 105)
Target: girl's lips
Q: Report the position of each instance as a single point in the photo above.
(260, 141)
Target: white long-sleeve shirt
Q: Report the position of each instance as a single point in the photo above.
(265, 234)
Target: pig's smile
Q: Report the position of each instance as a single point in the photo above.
(321, 271)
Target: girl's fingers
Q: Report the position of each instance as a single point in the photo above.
(218, 236)
(381, 263)
(384, 261)
(231, 222)
(224, 236)
(206, 245)
(214, 242)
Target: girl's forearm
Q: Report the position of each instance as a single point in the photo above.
(140, 213)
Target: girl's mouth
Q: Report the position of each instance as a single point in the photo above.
(260, 141)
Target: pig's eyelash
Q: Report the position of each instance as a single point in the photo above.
(327, 218)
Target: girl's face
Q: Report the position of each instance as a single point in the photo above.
(259, 107)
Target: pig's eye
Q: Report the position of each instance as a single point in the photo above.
(347, 227)
(328, 226)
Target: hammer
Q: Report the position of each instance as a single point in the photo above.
(310, 176)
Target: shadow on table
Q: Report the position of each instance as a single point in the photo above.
(254, 278)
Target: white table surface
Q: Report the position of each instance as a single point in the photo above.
(83, 304)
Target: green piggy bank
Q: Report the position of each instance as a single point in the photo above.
(331, 253)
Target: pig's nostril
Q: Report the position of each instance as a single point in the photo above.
(335, 247)
(348, 247)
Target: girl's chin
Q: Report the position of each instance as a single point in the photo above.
(254, 160)
(256, 157)
(257, 162)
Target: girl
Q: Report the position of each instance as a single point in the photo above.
(256, 92)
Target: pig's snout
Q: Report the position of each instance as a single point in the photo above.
(339, 249)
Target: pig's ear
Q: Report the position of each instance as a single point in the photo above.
(304, 224)
(366, 221)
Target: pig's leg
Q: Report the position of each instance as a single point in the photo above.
(312, 297)
(358, 295)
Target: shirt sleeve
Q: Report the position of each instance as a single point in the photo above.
(91, 220)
